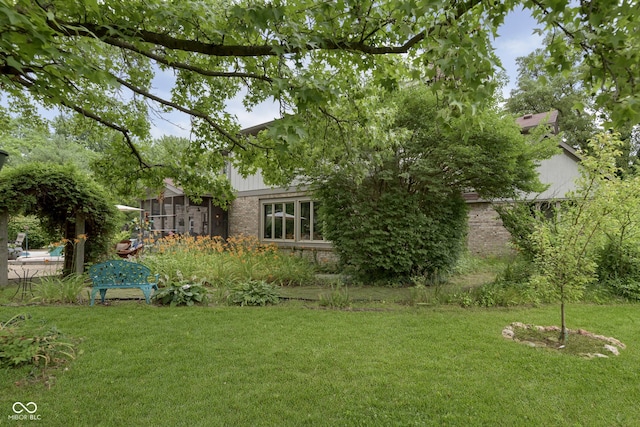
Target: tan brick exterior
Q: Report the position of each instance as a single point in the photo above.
(487, 235)
(244, 216)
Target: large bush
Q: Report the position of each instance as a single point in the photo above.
(387, 233)
(392, 198)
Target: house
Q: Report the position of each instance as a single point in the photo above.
(174, 212)
(288, 217)
(486, 234)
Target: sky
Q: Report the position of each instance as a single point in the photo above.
(516, 38)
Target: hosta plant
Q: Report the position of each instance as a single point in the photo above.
(179, 291)
(253, 292)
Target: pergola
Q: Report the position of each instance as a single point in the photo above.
(65, 200)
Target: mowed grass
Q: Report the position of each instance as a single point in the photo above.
(294, 365)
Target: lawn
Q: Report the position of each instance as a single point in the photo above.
(295, 364)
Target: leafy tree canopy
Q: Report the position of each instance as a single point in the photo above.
(100, 58)
(392, 198)
(27, 139)
(538, 91)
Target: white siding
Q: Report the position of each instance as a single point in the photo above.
(250, 183)
(560, 172)
(255, 183)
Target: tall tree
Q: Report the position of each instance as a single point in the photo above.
(29, 139)
(392, 197)
(100, 58)
(538, 91)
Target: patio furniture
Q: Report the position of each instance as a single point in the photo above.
(127, 248)
(121, 274)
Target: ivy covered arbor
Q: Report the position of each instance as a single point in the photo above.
(66, 202)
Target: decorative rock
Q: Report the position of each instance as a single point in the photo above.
(613, 345)
(612, 349)
(508, 333)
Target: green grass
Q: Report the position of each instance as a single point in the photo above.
(289, 365)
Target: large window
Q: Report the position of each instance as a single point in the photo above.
(291, 220)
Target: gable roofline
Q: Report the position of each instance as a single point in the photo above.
(254, 130)
(570, 151)
(530, 121)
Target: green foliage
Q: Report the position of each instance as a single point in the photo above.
(180, 291)
(235, 260)
(592, 234)
(54, 289)
(387, 234)
(338, 296)
(541, 91)
(56, 195)
(392, 205)
(619, 269)
(24, 343)
(38, 236)
(99, 59)
(253, 293)
(520, 219)
(431, 294)
(120, 236)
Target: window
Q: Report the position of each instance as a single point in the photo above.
(291, 220)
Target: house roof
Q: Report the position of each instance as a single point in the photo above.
(530, 121)
(253, 130)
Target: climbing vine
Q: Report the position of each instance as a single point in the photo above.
(57, 195)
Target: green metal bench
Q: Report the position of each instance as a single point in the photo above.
(121, 274)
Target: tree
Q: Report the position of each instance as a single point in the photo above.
(99, 59)
(59, 196)
(537, 91)
(392, 199)
(29, 139)
(591, 234)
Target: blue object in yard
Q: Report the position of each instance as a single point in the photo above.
(121, 274)
(57, 251)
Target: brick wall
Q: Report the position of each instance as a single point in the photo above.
(487, 235)
(244, 216)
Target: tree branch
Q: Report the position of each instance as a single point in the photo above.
(181, 65)
(92, 30)
(124, 131)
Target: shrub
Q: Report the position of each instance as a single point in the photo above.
(180, 291)
(619, 269)
(22, 343)
(388, 234)
(253, 292)
(37, 235)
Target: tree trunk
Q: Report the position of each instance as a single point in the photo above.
(4, 251)
(564, 335)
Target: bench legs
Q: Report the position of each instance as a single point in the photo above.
(103, 293)
(146, 290)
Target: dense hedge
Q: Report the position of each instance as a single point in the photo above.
(388, 234)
